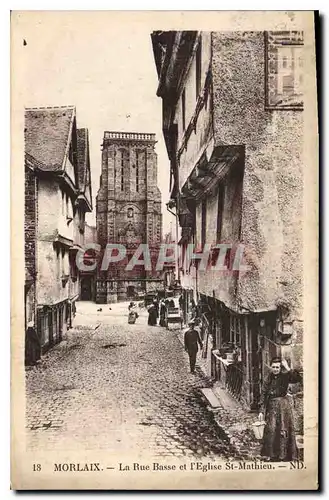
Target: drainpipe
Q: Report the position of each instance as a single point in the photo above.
(177, 223)
(177, 271)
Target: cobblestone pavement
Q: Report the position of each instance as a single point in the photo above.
(119, 387)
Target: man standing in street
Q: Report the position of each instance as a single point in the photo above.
(191, 341)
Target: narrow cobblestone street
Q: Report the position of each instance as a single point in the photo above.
(122, 388)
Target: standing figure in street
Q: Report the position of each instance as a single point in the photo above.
(32, 345)
(279, 440)
(156, 305)
(132, 314)
(193, 308)
(181, 302)
(191, 341)
(182, 307)
(163, 314)
(198, 326)
(152, 319)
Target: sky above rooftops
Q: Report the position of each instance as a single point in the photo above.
(106, 70)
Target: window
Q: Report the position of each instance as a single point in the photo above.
(130, 213)
(122, 171)
(203, 223)
(69, 210)
(137, 172)
(124, 165)
(198, 69)
(62, 261)
(220, 208)
(58, 263)
(183, 109)
(289, 71)
(73, 268)
(235, 329)
(45, 329)
(284, 69)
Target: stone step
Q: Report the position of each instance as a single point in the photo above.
(211, 398)
(226, 400)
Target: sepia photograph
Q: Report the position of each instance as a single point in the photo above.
(164, 184)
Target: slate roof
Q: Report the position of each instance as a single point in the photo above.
(47, 133)
(83, 160)
(83, 152)
(31, 162)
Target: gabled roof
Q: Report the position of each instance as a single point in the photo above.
(47, 134)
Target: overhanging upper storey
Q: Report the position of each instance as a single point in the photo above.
(209, 171)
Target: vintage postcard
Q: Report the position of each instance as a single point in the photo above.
(164, 251)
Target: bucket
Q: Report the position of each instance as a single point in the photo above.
(258, 428)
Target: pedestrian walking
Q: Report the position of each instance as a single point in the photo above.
(279, 440)
(198, 326)
(191, 341)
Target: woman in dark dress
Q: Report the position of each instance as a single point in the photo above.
(156, 305)
(279, 440)
(32, 345)
(152, 319)
(163, 313)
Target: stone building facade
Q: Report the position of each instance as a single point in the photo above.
(233, 127)
(128, 212)
(57, 197)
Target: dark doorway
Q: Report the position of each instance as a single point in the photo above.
(130, 292)
(61, 320)
(86, 289)
(51, 328)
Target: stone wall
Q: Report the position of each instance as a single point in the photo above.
(272, 201)
(271, 226)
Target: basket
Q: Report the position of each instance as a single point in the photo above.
(258, 428)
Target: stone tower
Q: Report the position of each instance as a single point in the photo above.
(128, 211)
